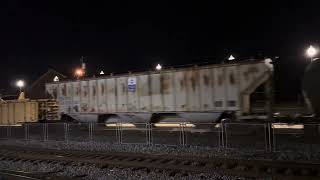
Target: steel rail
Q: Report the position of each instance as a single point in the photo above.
(16, 175)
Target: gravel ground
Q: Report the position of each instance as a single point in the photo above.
(90, 172)
(135, 148)
(302, 154)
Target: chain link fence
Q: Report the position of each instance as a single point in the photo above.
(104, 133)
(246, 136)
(258, 137)
(4, 132)
(204, 134)
(295, 137)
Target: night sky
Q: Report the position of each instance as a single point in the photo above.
(119, 36)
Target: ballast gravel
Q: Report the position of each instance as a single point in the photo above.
(299, 154)
(91, 172)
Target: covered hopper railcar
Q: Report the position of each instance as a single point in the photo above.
(193, 93)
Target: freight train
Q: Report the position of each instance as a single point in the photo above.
(198, 93)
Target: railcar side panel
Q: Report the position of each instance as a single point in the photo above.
(102, 95)
(84, 105)
(11, 113)
(76, 96)
(232, 82)
(220, 88)
(144, 93)
(206, 89)
(5, 113)
(19, 112)
(93, 98)
(156, 97)
(181, 97)
(62, 92)
(133, 100)
(193, 89)
(167, 91)
(122, 94)
(68, 100)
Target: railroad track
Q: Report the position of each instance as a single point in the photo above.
(244, 168)
(16, 175)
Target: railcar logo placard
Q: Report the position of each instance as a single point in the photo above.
(132, 82)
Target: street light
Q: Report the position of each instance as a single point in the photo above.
(20, 84)
(311, 52)
(158, 67)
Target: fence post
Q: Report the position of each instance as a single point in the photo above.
(119, 130)
(44, 131)
(117, 133)
(66, 129)
(150, 135)
(8, 132)
(91, 132)
(182, 135)
(266, 136)
(26, 132)
(226, 136)
(147, 133)
(273, 138)
(223, 134)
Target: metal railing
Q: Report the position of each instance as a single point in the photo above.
(266, 137)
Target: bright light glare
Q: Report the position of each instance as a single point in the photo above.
(158, 67)
(231, 58)
(79, 72)
(56, 79)
(174, 125)
(311, 51)
(20, 83)
(101, 72)
(287, 126)
(122, 125)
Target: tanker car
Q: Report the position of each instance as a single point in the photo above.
(197, 93)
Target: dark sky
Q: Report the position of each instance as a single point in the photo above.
(119, 36)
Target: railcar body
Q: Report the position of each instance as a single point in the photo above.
(197, 93)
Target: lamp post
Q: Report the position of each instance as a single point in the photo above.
(311, 52)
(20, 84)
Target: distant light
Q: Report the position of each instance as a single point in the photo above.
(231, 58)
(127, 125)
(101, 73)
(56, 79)
(79, 72)
(311, 52)
(174, 125)
(20, 84)
(158, 67)
(287, 126)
